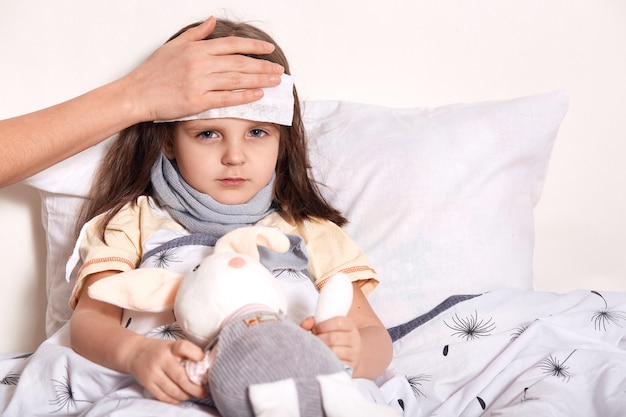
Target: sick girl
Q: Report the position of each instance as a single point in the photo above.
(203, 175)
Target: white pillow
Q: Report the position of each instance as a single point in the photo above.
(441, 199)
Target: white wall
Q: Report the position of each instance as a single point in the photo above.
(400, 53)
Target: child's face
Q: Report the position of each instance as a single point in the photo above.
(229, 159)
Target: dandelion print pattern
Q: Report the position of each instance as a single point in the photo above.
(289, 274)
(471, 327)
(64, 396)
(553, 367)
(170, 331)
(526, 397)
(605, 316)
(10, 379)
(416, 381)
(518, 332)
(165, 258)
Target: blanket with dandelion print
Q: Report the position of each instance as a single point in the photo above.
(508, 353)
(503, 353)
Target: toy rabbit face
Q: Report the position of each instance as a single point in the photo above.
(220, 285)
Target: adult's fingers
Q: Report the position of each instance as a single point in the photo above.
(233, 81)
(240, 64)
(231, 45)
(199, 32)
(224, 46)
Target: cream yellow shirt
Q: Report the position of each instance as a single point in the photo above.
(140, 227)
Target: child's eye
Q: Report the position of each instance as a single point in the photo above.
(257, 133)
(209, 134)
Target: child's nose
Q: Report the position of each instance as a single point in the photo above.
(233, 155)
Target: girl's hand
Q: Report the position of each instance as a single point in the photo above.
(157, 365)
(158, 368)
(341, 335)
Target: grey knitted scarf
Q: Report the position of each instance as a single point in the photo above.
(197, 211)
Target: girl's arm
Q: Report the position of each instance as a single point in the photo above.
(184, 76)
(360, 340)
(97, 334)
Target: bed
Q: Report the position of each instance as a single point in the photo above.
(446, 225)
(442, 198)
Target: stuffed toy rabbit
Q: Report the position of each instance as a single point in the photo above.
(258, 362)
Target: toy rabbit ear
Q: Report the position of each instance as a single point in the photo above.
(145, 289)
(245, 240)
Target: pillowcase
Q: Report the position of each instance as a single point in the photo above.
(440, 199)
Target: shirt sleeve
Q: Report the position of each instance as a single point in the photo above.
(122, 246)
(118, 251)
(331, 250)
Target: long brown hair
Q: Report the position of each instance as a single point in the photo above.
(124, 173)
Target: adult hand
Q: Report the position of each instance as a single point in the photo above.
(188, 74)
(185, 76)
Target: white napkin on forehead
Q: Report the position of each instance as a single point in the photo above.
(276, 106)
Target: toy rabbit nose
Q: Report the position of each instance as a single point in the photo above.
(237, 262)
